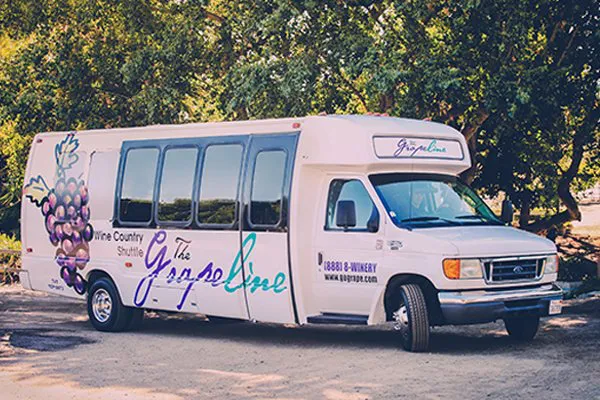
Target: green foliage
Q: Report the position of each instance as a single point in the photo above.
(177, 210)
(14, 149)
(218, 211)
(9, 243)
(519, 79)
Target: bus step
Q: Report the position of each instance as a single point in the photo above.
(334, 318)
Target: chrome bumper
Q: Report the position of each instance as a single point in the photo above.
(475, 306)
(484, 296)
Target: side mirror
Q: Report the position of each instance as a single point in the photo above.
(507, 211)
(346, 214)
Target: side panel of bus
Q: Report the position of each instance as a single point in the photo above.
(208, 217)
(184, 224)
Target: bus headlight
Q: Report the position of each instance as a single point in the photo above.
(551, 264)
(455, 268)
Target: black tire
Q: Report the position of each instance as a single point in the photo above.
(522, 328)
(118, 317)
(411, 318)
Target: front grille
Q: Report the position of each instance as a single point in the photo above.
(513, 270)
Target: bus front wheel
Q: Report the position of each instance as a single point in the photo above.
(411, 318)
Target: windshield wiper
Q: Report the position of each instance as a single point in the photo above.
(425, 219)
(419, 219)
(471, 216)
(479, 217)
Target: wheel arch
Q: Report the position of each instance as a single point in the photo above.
(97, 273)
(392, 293)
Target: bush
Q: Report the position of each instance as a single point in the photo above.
(9, 260)
(575, 269)
(9, 243)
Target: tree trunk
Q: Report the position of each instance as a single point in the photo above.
(525, 212)
(469, 175)
(572, 212)
(470, 132)
(386, 102)
(241, 113)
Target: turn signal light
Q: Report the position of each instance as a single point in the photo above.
(452, 268)
(468, 268)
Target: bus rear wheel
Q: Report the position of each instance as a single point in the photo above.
(105, 309)
(411, 318)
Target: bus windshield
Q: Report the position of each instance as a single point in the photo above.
(424, 200)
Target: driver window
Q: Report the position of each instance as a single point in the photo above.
(367, 216)
(450, 203)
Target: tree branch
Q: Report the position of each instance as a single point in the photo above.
(346, 82)
(354, 90)
(564, 53)
(469, 130)
(212, 16)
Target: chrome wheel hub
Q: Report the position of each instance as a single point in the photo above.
(101, 305)
(401, 318)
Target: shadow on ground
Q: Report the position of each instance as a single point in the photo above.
(42, 339)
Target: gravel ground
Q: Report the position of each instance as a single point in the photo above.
(48, 350)
(590, 221)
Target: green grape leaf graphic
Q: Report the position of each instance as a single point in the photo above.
(65, 155)
(36, 190)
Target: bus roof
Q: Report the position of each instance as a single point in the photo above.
(358, 141)
(374, 143)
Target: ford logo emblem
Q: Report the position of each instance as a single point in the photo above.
(518, 269)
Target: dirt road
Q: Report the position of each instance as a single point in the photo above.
(48, 350)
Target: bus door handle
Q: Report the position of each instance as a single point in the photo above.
(320, 258)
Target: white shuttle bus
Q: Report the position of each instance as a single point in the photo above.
(318, 220)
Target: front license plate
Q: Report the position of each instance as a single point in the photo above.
(555, 307)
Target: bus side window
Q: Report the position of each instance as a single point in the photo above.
(137, 186)
(267, 188)
(219, 183)
(176, 184)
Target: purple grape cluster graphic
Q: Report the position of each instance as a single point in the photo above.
(66, 214)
